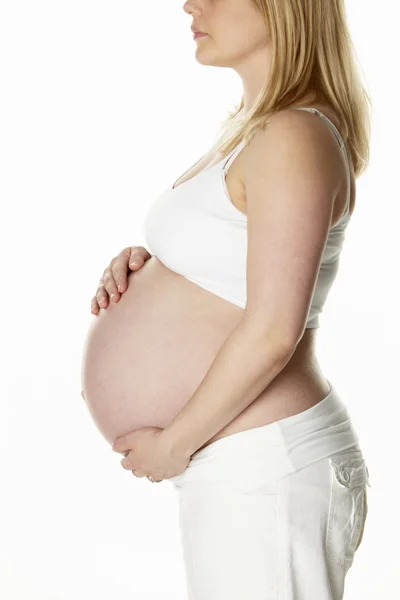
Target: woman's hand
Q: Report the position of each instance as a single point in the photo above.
(114, 281)
(148, 452)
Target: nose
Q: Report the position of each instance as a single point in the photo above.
(192, 7)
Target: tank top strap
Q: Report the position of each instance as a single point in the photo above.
(332, 125)
(341, 144)
(232, 155)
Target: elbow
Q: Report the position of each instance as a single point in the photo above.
(276, 341)
(284, 343)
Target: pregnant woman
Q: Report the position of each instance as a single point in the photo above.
(202, 368)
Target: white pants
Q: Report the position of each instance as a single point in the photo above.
(275, 512)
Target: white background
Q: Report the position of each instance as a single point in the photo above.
(103, 105)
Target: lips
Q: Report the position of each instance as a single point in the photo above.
(198, 30)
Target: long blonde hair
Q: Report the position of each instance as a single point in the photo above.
(311, 49)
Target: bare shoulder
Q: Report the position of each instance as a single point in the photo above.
(299, 141)
(295, 138)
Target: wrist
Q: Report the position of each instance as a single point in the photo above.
(175, 444)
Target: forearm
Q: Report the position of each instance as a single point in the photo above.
(244, 366)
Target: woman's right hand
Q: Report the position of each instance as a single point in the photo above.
(114, 281)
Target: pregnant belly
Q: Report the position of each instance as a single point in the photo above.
(145, 356)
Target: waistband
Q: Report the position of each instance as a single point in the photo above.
(277, 449)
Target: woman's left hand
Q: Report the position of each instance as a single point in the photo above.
(148, 452)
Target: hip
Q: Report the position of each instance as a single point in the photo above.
(298, 387)
(261, 455)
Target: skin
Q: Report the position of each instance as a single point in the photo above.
(114, 281)
(226, 45)
(237, 39)
(229, 44)
(301, 383)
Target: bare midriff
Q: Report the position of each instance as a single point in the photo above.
(145, 356)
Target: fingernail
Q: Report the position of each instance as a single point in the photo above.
(102, 301)
(119, 287)
(112, 296)
(134, 263)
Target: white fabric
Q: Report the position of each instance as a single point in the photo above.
(196, 231)
(275, 512)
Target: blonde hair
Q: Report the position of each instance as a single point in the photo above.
(311, 50)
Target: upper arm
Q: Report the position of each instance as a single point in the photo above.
(291, 178)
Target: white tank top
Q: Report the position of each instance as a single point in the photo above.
(196, 231)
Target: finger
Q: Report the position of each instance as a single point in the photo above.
(119, 273)
(101, 298)
(133, 259)
(109, 284)
(138, 474)
(115, 275)
(94, 306)
(139, 255)
(128, 463)
(125, 464)
(120, 445)
(155, 480)
(101, 293)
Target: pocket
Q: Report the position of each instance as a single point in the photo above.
(347, 506)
